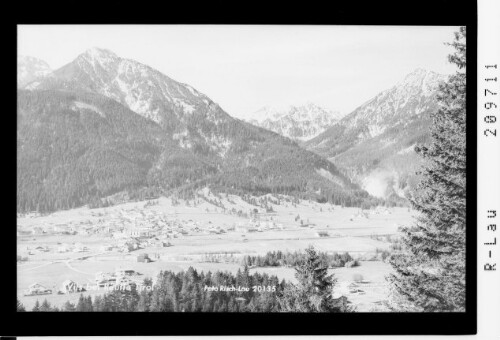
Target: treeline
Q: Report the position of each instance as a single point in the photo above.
(289, 259)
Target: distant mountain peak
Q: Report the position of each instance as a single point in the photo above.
(299, 122)
(31, 59)
(420, 80)
(29, 68)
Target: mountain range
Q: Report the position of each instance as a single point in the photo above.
(102, 125)
(300, 123)
(374, 144)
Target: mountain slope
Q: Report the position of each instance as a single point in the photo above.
(83, 129)
(75, 148)
(299, 123)
(30, 68)
(374, 144)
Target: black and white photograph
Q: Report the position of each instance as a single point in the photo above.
(241, 168)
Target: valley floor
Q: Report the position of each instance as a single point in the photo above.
(196, 232)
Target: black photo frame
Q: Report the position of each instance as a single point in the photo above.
(428, 13)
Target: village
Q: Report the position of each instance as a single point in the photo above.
(65, 253)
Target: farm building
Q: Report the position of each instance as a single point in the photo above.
(79, 248)
(37, 289)
(106, 247)
(120, 235)
(140, 232)
(44, 249)
(103, 230)
(37, 231)
(99, 276)
(160, 244)
(120, 272)
(59, 228)
(23, 232)
(321, 234)
(143, 258)
(264, 225)
(246, 229)
(63, 248)
(131, 244)
(70, 286)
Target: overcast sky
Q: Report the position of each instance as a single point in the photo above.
(244, 68)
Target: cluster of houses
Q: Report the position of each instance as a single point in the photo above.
(258, 226)
(75, 248)
(129, 230)
(137, 223)
(60, 248)
(124, 277)
(381, 211)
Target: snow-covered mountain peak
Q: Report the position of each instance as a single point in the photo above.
(406, 103)
(305, 111)
(421, 79)
(29, 68)
(299, 122)
(31, 60)
(101, 56)
(142, 89)
(268, 112)
(99, 53)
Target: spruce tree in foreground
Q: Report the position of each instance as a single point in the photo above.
(430, 271)
(313, 293)
(20, 307)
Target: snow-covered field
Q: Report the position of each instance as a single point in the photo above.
(209, 224)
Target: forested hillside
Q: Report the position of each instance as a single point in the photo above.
(77, 148)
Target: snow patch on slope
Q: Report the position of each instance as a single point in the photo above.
(328, 175)
(85, 106)
(409, 149)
